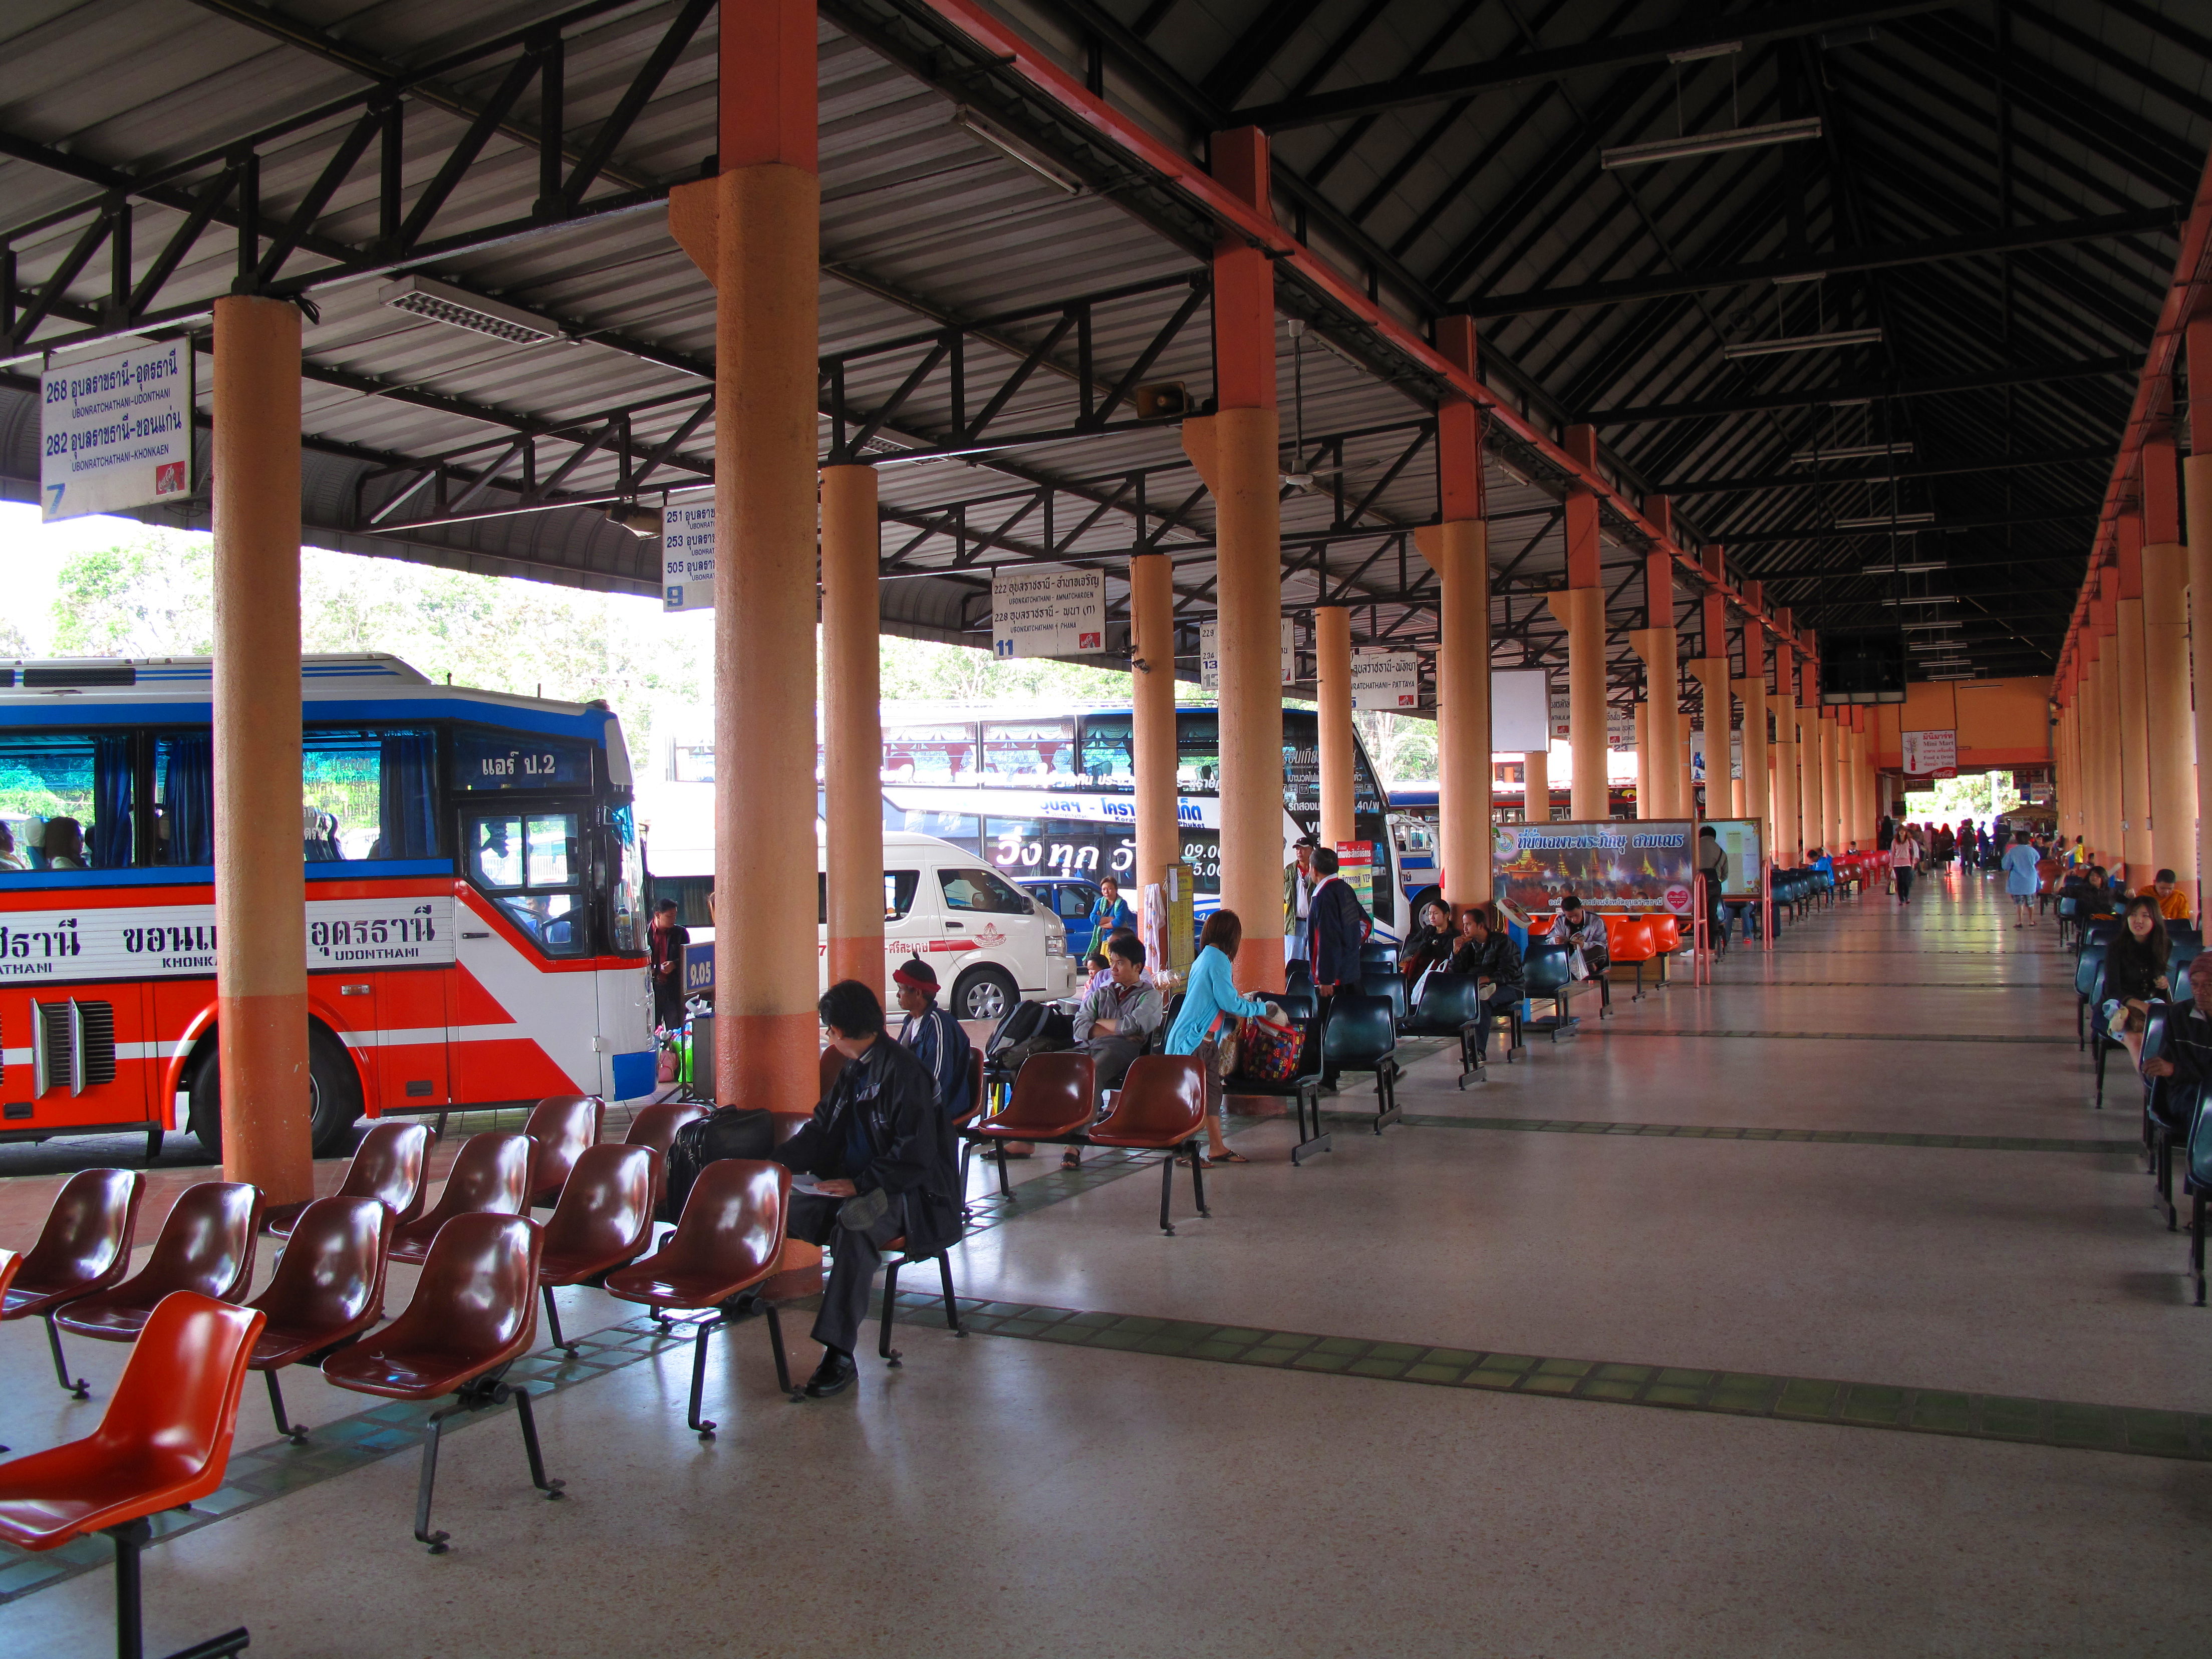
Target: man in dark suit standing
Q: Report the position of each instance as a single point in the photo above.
(1340, 925)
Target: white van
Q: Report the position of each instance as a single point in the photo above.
(991, 943)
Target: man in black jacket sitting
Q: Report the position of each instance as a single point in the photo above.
(881, 1155)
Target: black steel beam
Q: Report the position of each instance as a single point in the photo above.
(1825, 533)
(1810, 479)
(1709, 28)
(1860, 391)
(1930, 252)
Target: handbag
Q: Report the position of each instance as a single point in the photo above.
(1270, 1051)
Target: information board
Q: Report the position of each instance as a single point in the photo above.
(1520, 710)
(687, 553)
(1386, 680)
(116, 431)
(1047, 613)
(1740, 839)
(1615, 864)
(1209, 654)
(1355, 863)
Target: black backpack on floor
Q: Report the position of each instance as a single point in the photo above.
(726, 1132)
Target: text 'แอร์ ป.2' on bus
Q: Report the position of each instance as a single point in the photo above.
(474, 926)
(1040, 792)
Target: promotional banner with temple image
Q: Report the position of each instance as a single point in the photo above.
(1616, 865)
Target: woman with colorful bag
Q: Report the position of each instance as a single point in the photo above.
(1211, 1008)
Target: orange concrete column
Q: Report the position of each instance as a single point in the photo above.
(1458, 550)
(2133, 704)
(1236, 452)
(1580, 608)
(1657, 646)
(1536, 786)
(1788, 849)
(756, 231)
(1751, 691)
(2165, 667)
(1333, 691)
(2196, 493)
(1642, 716)
(260, 884)
(1832, 813)
(1151, 698)
(2107, 840)
(852, 726)
(2092, 757)
(1810, 800)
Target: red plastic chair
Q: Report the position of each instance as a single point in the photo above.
(392, 1165)
(1055, 1096)
(328, 1289)
(604, 1221)
(656, 1127)
(473, 1314)
(206, 1246)
(1628, 939)
(490, 1176)
(1161, 1108)
(728, 1240)
(85, 1246)
(562, 1126)
(163, 1444)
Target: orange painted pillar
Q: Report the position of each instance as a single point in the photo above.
(756, 230)
(2133, 704)
(2106, 839)
(1831, 814)
(1788, 847)
(260, 881)
(2165, 667)
(1458, 549)
(1751, 691)
(1235, 451)
(852, 727)
(1152, 699)
(1809, 799)
(1580, 608)
(2197, 492)
(1657, 646)
(1644, 758)
(1711, 671)
(1332, 692)
(1536, 786)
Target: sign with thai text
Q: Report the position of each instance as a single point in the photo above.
(116, 431)
(1386, 680)
(687, 553)
(1612, 865)
(59, 942)
(1931, 754)
(1047, 613)
(1209, 654)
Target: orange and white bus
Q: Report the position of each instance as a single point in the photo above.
(474, 888)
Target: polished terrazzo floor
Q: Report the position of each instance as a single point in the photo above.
(1816, 1312)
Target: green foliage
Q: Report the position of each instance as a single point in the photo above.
(1402, 747)
(922, 670)
(1973, 794)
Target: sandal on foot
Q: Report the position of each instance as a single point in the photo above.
(1227, 1156)
(1071, 1160)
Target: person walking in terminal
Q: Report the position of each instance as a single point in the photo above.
(1904, 860)
(2022, 881)
(2172, 902)
(1209, 1003)
(1116, 1020)
(666, 941)
(1712, 875)
(1486, 951)
(934, 1035)
(879, 1162)
(2135, 973)
(1298, 883)
(1340, 925)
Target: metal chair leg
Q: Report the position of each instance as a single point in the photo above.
(775, 1345)
(951, 1303)
(294, 1432)
(705, 1431)
(1197, 1178)
(61, 1364)
(153, 1144)
(553, 1323)
(2196, 1246)
(426, 1485)
(1167, 1188)
(890, 1355)
(529, 1420)
(1005, 1187)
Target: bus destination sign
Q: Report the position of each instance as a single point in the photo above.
(65, 942)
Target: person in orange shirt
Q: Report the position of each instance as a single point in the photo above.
(2172, 902)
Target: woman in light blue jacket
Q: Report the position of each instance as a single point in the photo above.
(1208, 997)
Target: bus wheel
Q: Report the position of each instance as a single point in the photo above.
(984, 993)
(333, 1087)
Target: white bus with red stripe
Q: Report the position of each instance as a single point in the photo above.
(473, 885)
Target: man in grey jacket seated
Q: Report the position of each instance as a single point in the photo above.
(1117, 1022)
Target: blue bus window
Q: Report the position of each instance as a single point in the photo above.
(66, 801)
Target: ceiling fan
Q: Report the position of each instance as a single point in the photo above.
(1297, 478)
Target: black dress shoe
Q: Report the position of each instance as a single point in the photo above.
(833, 1376)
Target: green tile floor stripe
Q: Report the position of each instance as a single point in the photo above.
(1592, 1027)
(1727, 1132)
(2186, 1436)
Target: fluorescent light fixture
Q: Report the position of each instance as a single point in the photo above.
(1885, 521)
(1936, 645)
(1906, 569)
(1841, 336)
(1711, 144)
(1802, 276)
(1850, 453)
(1698, 54)
(1928, 627)
(440, 302)
(1927, 598)
(1014, 149)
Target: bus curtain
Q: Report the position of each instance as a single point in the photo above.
(407, 798)
(187, 804)
(110, 803)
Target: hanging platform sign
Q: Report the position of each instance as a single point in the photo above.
(687, 553)
(1386, 680)
(1047, 613)
(116, 431)
(1209, 655)
(1519, 700)
(1931, 754)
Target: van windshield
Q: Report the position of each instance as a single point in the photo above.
(984, 890)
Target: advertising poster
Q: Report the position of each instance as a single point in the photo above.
(1355, 862)
(1739, 838)
(1209, 655)
(1931, 754)
(1387, 680)
(1047, 613)
(1617, 865)
(687, 553)
(116, 431)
